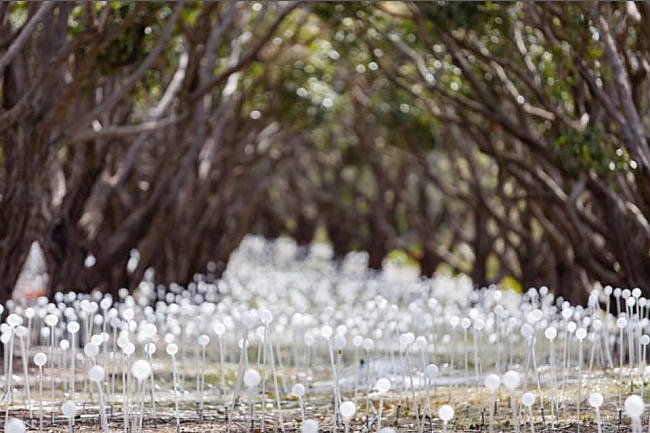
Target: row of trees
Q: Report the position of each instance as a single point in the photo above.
(498, 139)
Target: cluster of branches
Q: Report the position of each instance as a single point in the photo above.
(498, 140)
(501, 140)
(127, 127)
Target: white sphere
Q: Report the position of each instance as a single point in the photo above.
(634, 406)
(528, 399)
(128, 314)
(219, 329)
(40, 359)
(204, 340)
(14, 425)
(141, 369)
(527, 330)
(550, 333)
(172, 349)
(73, 327)
(64, 345)
(91, 350)
(309, 426)
(383, 385)
(446, 412)
(14, 320)
(96, 373)
(326, 331)
(465, 323)
(571, 327)
(368, 344)
(298, 390)
(432, 370)
(492, 382)
(309, 340)
(348, 409)
(596, 399)
(252, 378)
(51, 320)
(621, 322)
(511, 379)
(129, 349)
(421, 343)
(69, 409)
(149, 330)
(122, 341)
(581, 334)
(535, 316)
(21, 331)
(357, 341)
(644, 340)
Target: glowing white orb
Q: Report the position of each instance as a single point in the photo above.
(40, 359)
(219, 329)
(298, 390)
(432, 370)
(96, 373)
(91, 350)
(73, 327)
(511, 379)
(446, 412)
(326, 331)
(141, 369)
(204, 340)
(528, 399)
(634, 406)
(550, 333)
(14, 320)
(309, 426)
(492, 382)
(348, 409)
(14, 425)
(252, 378)
(383, 385)
(69, 409)
(172, 349)
(596, 399)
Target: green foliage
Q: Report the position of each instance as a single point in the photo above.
(590, 149)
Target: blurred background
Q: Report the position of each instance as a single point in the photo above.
(505, 141)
